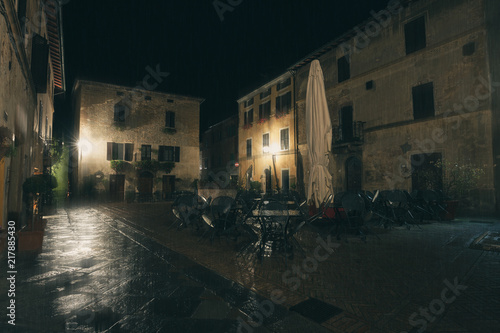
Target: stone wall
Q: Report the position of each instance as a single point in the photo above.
(145, 121)
(461, 126)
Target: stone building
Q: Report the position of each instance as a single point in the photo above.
(219, 153)
(267, 127)
(415, 83)
(32, 72)
(130, 138)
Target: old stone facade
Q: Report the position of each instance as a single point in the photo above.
(129, 138)
(415, 83)
(32, 74)
(219, 153)
(267, 142)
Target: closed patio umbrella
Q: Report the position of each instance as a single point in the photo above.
(319, 136)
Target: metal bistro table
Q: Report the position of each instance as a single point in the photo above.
(274, 219)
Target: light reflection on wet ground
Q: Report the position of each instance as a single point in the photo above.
(96, 274)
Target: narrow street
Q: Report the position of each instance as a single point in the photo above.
(96, 274)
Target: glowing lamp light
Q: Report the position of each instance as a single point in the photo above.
(84, 146)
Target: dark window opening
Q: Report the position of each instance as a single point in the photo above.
(120, 93)
(129, 151)
(415, 35)
(344, 69)
(170, 119)
(147, 98)
(346, 128)
(266, 93)
(423, 101)
(39, 63)
(249, 147)
(169, 154)
(265, 110)
(249, 117)
(369, 85)
(120, 113)
(283, 104)
(249, 102)
(170, 100)
(469, 49)
(283, 84)
(146, 153)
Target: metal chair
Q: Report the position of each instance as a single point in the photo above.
(188, 208)
(221, 219)
(353, 207)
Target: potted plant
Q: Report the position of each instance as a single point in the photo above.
(35, 188)
(459, 179)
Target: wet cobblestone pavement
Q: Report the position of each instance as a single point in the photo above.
(121, 268)
(406, 281)
(97, 274)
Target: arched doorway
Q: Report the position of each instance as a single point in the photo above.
(353, 174)
(146, 186)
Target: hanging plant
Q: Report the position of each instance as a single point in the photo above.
(118, 165)
(147, 165)
(280, 115)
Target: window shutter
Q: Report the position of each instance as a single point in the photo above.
(109, 153)
(177, 154)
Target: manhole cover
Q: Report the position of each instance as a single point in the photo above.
(316, 310)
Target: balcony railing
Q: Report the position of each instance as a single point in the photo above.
(348, 133)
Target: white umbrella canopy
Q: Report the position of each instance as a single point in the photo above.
(319, 136)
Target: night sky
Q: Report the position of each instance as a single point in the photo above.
(219, 60)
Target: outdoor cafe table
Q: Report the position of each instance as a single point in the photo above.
(274, 223)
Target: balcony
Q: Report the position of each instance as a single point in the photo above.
(348, 135)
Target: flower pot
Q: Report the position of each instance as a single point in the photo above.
(451, 209)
